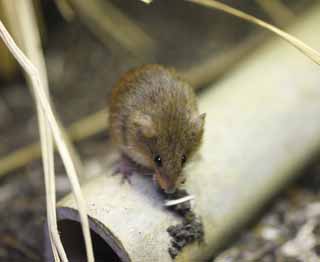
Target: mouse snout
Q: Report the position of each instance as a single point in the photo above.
(170, 190)
(168, 185)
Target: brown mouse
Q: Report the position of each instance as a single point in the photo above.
(154, 121)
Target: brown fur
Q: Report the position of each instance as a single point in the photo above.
(154, 112)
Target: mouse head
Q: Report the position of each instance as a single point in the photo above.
(169, 143)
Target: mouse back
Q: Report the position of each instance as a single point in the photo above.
(154, 114)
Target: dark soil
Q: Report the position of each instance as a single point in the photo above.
(191, 228)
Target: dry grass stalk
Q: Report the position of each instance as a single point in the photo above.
(301, 46)
(277, 10)
(30, 41)
(42, 98)
(15, 23)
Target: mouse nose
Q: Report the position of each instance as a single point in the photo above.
(170, 190)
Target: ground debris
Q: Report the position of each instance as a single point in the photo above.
(191, 228)
(288, 232)
(302, 246)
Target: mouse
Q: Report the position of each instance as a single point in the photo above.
(155, 123)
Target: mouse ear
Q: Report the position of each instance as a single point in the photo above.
(199, 121)
(145, 124)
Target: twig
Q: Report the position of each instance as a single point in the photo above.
(301, 46)
(58, 135)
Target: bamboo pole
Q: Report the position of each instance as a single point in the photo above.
(262, 127)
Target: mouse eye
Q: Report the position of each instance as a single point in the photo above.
(183, 159)
(158, 161)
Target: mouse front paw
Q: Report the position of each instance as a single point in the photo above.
(123, 167)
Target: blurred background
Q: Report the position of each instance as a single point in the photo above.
(87, 46)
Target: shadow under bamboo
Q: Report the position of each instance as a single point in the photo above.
(262, 127)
